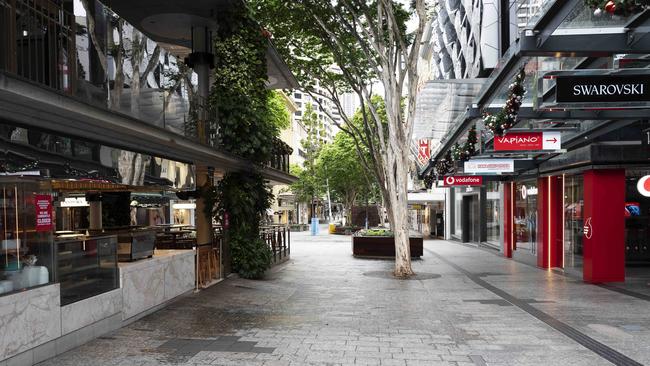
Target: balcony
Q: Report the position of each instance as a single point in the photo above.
(93, 57)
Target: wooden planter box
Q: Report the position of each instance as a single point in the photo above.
(383, 246)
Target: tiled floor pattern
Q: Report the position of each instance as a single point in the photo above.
(325, 307)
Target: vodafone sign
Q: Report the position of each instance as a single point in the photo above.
(520, 141)
(644, 186)
(463, 181)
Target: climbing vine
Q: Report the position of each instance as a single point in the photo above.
(244, 197)
(239, 91)
(249, 118)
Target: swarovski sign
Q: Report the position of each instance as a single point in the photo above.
(602, 88)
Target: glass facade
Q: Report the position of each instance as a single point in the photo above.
(26, 231)
(458, 211)
(573, 221)
(637, 218)
(526, 217)
(493, 213)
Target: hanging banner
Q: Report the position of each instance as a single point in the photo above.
(424, 151)
(43, 203)
(528, 141)
(490, 166)
(465, 180)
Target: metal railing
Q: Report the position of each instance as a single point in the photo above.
(278, 239)
(37, 42)
(280, 162)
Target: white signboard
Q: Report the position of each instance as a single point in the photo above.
(490, 166)
(552, 140)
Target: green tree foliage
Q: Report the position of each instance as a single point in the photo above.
(278, 114)
(369, 42)
(338, 165)
(309, 186)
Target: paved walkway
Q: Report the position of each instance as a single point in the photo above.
(324, 307)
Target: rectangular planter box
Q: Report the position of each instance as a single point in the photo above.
(382, 246)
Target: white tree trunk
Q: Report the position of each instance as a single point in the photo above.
(397, 192)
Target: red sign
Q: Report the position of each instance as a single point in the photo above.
(467, 180)
(520, 141)
(226, 220)
(424, 151)
(43, 203)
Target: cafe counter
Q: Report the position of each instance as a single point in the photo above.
(148, 283)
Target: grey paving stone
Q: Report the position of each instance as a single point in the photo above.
(320, 309)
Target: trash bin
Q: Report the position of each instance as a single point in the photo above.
(332, 228)
(314, 226)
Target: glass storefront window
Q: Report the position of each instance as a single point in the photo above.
(526, 217)
(573, 221)
(458, 211)
(493, 213)
(637, 218)
(26, 220)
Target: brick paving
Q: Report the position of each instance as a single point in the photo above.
(324, 307)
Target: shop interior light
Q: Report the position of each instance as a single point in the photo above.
(184, 206)
(75, 202)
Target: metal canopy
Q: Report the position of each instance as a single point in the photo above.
(550, 36)
(170, 24)
(48, 111)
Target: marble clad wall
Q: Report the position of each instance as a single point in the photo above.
(150, 282)
(86, 312)
(179, 275)
(34, 318)
(29, 319)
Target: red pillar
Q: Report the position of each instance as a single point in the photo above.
(509, 237)
(604, 228)
(550, 230)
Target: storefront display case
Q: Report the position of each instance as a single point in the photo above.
(25, 232)
(85, 266)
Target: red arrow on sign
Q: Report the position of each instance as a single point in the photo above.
(554, 140)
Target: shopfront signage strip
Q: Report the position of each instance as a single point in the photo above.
(490, 166)
(602, 88)
(465, 180)
(529, 141)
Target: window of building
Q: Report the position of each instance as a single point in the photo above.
(573, 220)
(526, 217)
(26, 217)
(493, 213)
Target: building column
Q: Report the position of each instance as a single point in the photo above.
(95, 214)
(550, 230)
(203, 222)
(509, 235)
(604, 226)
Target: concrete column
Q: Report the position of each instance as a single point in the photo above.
(203, 222)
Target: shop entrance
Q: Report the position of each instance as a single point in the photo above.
(637, 226)
(471, 220)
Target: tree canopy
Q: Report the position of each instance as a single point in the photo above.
(340, 46)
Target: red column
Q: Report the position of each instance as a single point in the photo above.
(509, 237)
(604, 227)
(550, 229)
